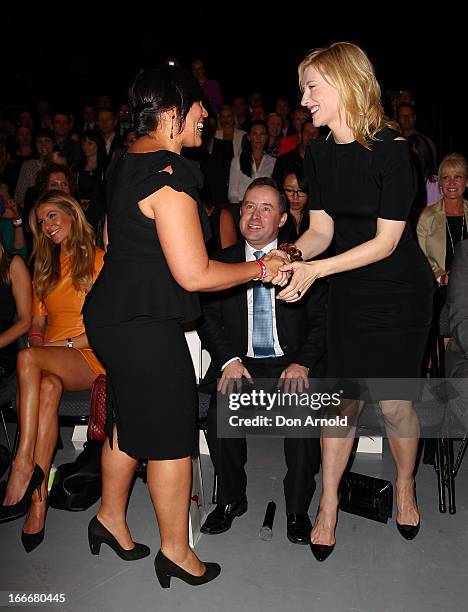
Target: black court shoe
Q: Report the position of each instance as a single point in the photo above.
(98, 534)
(10, 513)
(166, 569)
(409, 532)
(323, 551)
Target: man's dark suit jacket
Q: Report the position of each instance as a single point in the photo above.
(224, 330)
(215, 168)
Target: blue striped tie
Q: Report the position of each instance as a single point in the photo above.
(262, 337)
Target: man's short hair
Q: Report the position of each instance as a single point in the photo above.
(265, 181)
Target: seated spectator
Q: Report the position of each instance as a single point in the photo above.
(210, 87)
(441, 226)
(30, 169)
(228, 131)
(283, 108)
(90, 178)
(275, 133)
(62, 126)
(88, 114)
(258, 114)
(223, 227)
(66, 264)
(426, 169)
(241, 113)
(124, 120)
(252, 163)
(23, 152)
(12, 233)
(289, 143)
(106, 124)
(296, 188)
(15, 308)
(296, 157)
(407, 119)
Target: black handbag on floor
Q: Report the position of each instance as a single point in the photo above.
(366, 496)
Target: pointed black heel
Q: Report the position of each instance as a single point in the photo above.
(10, 513)
(409, 532)
(98, 534)
(322, 551)
(166, 569)
(31, 541)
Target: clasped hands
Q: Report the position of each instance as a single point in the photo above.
(294, 377)
(299, 274)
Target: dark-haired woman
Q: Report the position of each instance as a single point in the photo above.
(252, 163)
(296, 188)
(90, 178)
(66, 262)
(155, 263)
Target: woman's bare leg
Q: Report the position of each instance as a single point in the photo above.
(118, 470)
(170, 483)
(51, 392)
(73, 370)
(402, 426)
(335, 457)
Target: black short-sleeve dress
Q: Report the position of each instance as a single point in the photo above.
(133, 315)
(379, 315)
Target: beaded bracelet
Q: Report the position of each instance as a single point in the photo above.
(291, 249)
(36, 334)
(263, 270)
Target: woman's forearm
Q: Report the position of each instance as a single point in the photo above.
(312, 243)
(362, 255)
(18, 329)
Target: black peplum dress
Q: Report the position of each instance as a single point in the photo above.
(379, 315)
(133, 316)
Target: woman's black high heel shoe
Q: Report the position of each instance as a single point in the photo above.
(409, 532)
(9, 513)
(31, 541)
(98, 534)
(166, 569)
(323, 551)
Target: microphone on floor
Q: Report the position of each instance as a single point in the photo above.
(266, 532)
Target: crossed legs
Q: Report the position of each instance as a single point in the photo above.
(43, 373)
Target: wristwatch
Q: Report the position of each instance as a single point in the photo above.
(69, 343)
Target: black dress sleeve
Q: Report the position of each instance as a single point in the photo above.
(398, 183)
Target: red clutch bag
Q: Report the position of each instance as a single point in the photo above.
(97, 410)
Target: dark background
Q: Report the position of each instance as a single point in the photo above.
(70, 58)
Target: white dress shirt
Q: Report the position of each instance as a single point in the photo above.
(249, 256)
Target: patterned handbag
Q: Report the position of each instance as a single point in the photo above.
(97, 410)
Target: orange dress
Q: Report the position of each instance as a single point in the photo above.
(62, 307)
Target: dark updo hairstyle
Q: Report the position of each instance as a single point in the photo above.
(156, 90)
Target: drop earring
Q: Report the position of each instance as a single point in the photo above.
(172, 128)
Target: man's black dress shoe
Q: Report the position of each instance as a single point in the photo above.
(299, 528)
(220, 519)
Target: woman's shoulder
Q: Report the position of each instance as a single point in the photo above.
(164, 168)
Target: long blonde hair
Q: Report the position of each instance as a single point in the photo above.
(346, 67)
(80, 245)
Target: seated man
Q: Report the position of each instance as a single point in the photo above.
(249, 333)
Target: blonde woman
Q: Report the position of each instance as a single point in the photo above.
(441, 226)
(380, 301)
(66, 263)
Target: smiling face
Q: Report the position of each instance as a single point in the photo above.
(321, 98)
(453, 181)
(54, 222)
(193, 128)
(260, 217)
(44, 146)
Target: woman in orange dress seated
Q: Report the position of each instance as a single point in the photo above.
(59, 358)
